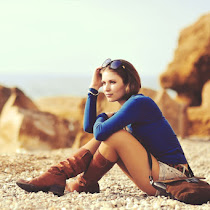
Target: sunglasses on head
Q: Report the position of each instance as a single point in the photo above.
(115, 64)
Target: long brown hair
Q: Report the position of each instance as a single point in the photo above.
(130, 77)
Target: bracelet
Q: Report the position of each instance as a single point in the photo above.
(95, 94)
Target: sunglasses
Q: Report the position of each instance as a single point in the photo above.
(115, 64)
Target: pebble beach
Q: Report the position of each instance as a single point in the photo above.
(117, 191)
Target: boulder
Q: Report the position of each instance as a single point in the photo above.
(190, 68)
(199, 117)
(23, 125)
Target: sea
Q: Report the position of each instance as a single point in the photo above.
(50, 85)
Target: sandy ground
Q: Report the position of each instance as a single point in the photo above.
(117, 191)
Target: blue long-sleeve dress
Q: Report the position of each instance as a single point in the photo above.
(143, 119)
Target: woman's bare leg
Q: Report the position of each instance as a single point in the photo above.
(134, 156)
(92, 145)
(124, 169)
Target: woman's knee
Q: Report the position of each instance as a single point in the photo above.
(110, 146)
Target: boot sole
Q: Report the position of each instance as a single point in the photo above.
(55, 189)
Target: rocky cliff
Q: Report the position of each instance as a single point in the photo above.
(190, 68)
(189, 75)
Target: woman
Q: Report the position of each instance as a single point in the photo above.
(123, 137)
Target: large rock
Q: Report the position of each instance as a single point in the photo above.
(23, 125)
(199, 117)
(190, 68)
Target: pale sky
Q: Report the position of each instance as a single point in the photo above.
(76, 36)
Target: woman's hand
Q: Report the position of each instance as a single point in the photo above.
(96, 79)
(110, 114)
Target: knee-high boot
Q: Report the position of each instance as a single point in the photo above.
(88, 181)
(54, 180)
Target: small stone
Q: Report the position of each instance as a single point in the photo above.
(7, 170)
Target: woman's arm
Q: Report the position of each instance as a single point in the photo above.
(135, 110)
(105, 126)
(90, 111)
(90, 107)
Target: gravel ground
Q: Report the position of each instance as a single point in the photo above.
(117, 191)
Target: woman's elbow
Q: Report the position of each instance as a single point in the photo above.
(88, 129)
(99, 136)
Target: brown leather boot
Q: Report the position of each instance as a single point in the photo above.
(54, 180)
(88, 182)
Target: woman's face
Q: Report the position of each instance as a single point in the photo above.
(113, 86)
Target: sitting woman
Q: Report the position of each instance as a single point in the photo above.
(123, 137)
